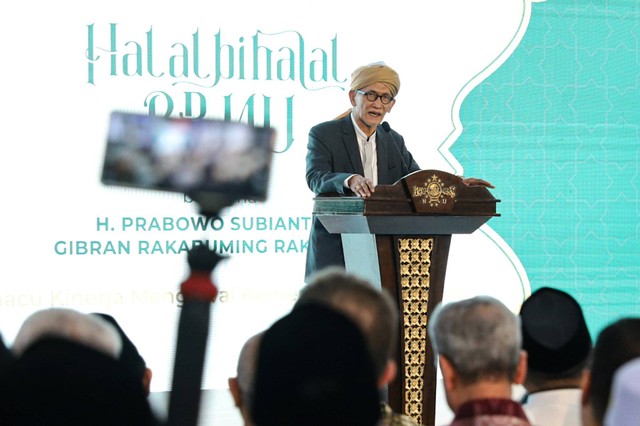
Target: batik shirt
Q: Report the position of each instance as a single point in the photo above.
(389, 418)
(490, 412)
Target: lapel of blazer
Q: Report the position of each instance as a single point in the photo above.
(350, 142)
(382, 145)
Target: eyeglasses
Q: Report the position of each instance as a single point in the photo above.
(373, 96)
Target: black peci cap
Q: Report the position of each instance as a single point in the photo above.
(554, 331)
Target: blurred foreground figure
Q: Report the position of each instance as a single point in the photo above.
(314, 369)
(129, 357)
(67, 373)
(375, 312)
(616, 344)
(624, 409)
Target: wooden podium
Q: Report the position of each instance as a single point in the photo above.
(399, 239)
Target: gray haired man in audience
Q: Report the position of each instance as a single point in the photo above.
(478, 342)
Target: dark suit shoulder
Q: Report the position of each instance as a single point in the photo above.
(333, 125)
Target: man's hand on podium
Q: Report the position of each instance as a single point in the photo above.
(477, 182)
(361, 186)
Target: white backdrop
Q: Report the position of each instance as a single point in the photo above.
(67, 65)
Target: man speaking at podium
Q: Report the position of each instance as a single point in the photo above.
(356, 151)
(353, 153)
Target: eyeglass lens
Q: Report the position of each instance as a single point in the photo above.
(373, 96)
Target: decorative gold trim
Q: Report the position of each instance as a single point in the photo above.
(415, 275)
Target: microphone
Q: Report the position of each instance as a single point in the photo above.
(387, 129)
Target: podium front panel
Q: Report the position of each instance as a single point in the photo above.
(399, 239)
(412, 268)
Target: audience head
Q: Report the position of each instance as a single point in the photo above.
(616, 344)
(66, 372)
(241, 386)
(314, 369)
(71, 325)
(129, 357)
(556, 339)
(372, 309)
(624, 409)
(478, 341)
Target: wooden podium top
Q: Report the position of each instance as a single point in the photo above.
(423, 202)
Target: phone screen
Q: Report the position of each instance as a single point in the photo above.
(192, 156)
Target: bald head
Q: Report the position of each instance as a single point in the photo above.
(63, 323)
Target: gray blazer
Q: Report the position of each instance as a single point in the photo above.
(332, 156)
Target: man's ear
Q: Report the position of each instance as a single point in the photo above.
(389, 373)
(234, 388)
(449, 376)
(521, 369)
(352, 97)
